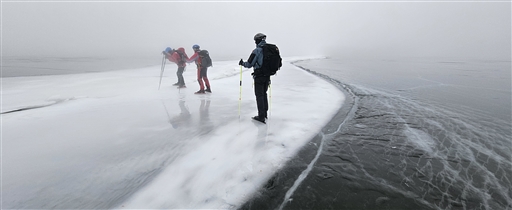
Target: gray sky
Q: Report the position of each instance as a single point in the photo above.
(226, 29)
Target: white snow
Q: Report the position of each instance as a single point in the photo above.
(112, 139)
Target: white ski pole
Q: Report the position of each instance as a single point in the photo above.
(162, 72)
(240, 97)
(270, 97)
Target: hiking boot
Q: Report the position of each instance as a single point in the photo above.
(258, 118)
(200, 92)
(175, 84)
(208, 90)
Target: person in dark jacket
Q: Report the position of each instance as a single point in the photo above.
(261, 81)
(179, 57)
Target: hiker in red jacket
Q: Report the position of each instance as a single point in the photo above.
(180, 58)
(201, 71)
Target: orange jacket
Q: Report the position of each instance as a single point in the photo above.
(176, 58)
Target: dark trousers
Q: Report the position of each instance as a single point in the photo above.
(261, 84)
(179, 73)
(201, 76)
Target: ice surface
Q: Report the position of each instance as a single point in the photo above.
(113, 140)
(405, 150)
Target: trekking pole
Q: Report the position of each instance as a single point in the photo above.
(240, 97)
(162, 72)
(270, 97)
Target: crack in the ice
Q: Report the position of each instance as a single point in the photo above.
(27, 108)
(305, 173)
(55, 102)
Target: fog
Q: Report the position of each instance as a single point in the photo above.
(226, 29)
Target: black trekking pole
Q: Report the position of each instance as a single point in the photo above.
(162, 72)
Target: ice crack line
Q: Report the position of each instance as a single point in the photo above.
(39, 106)
(351, 114)
(27, 108)
(303, 175)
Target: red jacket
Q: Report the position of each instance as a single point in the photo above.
(176, 58)
(195, 58)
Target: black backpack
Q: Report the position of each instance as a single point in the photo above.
(183, 59)
(271, 59)
(206, 61)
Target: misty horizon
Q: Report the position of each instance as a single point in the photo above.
(226, 29)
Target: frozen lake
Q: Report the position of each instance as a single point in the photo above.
(419, 134)
(394, 134)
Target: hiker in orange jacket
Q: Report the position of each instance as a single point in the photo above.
(180, 58)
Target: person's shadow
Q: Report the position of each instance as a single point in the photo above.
(262, 131)
(182, 119)
(205, 124)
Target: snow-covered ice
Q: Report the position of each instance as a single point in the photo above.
(114, 140)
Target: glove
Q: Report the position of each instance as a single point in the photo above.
(241, 62)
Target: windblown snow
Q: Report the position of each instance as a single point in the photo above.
(114, 140)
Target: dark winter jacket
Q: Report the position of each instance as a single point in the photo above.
(256, 58)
